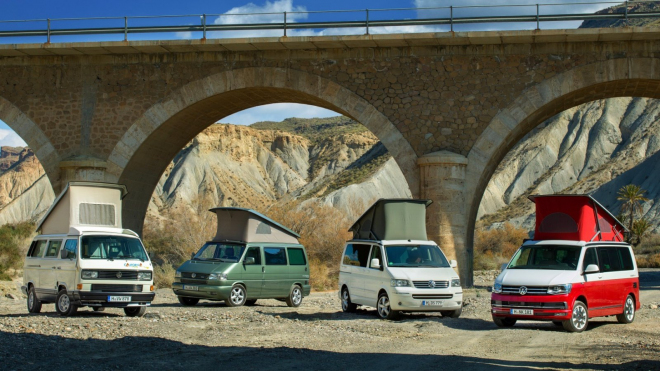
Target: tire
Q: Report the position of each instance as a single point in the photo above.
(452, 313)
(33, 302)
(187, 302)
(558, 323)
(135, 311)
(237, 296)
(384, 309)
(251, 302)
(504, 322)
(346, 305)
(295, 297)
(579, 318)
(628, 314)
(64, 305)
(98, 309)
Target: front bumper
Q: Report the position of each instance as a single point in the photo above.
(100, 299)
(544, 307)
(210, 292)
(416, 300)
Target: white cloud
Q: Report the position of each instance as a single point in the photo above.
(9, 138)
(277, 112)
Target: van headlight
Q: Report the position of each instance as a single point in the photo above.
(177, 274)
(497, 288)
(86, 275)
(218, 276)
(144, 276)
(456, 282)
(399, 283)
(560, 289)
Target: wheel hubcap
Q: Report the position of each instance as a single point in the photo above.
(297, 296)
(237, 295)
(344, 299)
(31, 300)
(579, 317)
(384, 306)
(630, 309)
(64, 303)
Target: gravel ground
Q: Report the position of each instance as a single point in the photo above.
(317, 335)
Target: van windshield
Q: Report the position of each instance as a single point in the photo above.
(219, 251)
(553, 257)
(112, 247)
(426, 256)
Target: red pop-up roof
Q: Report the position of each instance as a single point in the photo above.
(573, 217)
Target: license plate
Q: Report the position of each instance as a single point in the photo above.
(191, 288)
(121, 299)
(525, 312)
(434, 303)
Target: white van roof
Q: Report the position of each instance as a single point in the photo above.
(82, 205)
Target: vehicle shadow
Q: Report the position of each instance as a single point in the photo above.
(82, 313)
(153, 353)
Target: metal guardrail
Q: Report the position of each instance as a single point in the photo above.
(287, 24)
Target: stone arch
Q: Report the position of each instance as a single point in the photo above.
(140, 157)
(35, 138)
(624, 77)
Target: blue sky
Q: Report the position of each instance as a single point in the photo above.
(230, 11)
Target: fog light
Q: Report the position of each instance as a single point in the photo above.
(79, 286)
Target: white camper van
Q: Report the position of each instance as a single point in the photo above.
(83, 257)
(391, 265)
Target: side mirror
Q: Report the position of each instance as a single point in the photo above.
(453, 263)
(192, 255)
(504, 266)
(64, 254)
(591, 268)
(375, 263)
(248, 260)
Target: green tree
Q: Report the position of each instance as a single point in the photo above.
(639, 228)
(632, 196)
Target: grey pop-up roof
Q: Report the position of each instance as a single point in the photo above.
(393, 219)
(246, 225)
(84, 204)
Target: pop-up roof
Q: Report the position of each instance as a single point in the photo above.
(84, 204)
(576, 218)
(245, 225)
(393, 219)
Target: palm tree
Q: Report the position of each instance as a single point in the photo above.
(639, 229)
(632, 196)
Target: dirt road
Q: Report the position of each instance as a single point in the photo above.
(271, 336)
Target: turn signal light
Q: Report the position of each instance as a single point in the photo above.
(79, 286)
(152, 287)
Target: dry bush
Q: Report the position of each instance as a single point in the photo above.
(494, 247)
(164, 276)
(649, 261)
(14, 242)
(649, 245)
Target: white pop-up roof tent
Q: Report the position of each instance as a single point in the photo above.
(84, 204)
(246, 225)
(392, 219)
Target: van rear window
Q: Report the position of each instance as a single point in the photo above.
(296, 256)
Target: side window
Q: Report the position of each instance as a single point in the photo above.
(357, 255)
(70, 247)
(604, 260)
(615, 258)
(589, 258)
(626, 258)
(296, 256)
(275, 255)
(53, 248)
(38, 250)
(376, 254)
(32, 247)
(254, 252)
(610, 260)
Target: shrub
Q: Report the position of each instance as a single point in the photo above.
(163, 276)
(14, 242)
(494, 247)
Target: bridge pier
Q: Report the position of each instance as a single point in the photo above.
(87, 169)
(442, 179)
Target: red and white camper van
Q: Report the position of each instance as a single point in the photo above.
(577, 267)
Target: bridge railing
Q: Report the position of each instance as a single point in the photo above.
(333, 22)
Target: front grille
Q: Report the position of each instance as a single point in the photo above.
(116, 288)
(531, 290)
(198, 276)
(529, 305)
(427, 284)
(112, 275)
(432, 296)
(189, 280)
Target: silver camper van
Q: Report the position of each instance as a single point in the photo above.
(83, 257)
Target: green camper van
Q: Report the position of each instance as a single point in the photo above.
(251, 257)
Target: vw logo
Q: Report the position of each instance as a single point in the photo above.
(523, 290)
(193, 275)
(432, 283)
(118, 274)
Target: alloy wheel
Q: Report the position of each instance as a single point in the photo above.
(237, 295)
(384, 306)
(344, 300)
(629, 309)
(579, 317)
(64, 303)
(297, 295)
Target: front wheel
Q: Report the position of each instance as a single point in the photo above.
(33, 303)
(187, 302)
(628, 314)
(504, 322)
(579, 318)
(135, 311)
(237, 296)
(64, 305)
(452, 313)
(295, 297)
(384, 309)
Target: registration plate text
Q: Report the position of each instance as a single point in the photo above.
(191, 288)
(525, 312)
(120, 299)
(434, 303)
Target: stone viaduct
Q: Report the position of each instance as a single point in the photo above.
(448, 106)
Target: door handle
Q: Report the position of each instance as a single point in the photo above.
(53, 267)
(263, 269)
(59, 267)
